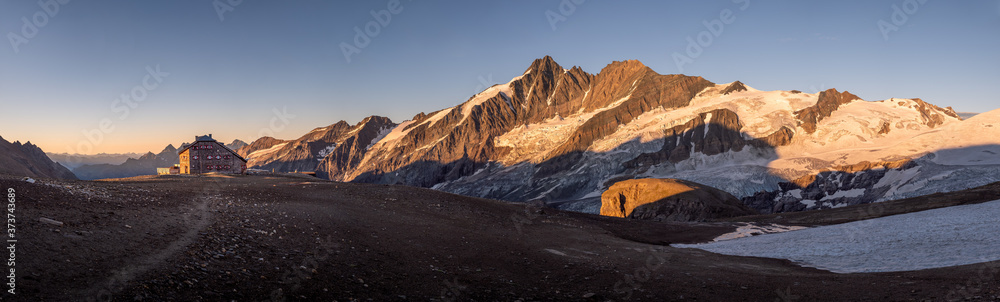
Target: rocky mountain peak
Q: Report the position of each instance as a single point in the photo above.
(375, 119)
(545, 65)
(734, 87)
(932, 114)
(620, 69)
(169, 149)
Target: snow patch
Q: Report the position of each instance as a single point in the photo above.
(326, 151)
(382, 133)
(266, 152)
(845, 194)
(945, 237)
(750, 229)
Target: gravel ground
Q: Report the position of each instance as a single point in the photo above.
(287, 238)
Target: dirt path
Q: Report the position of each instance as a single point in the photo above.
(195, 218)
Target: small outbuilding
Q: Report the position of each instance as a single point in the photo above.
(176, 169)
(206, 155)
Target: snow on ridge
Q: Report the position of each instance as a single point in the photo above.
(548, 101)
(326, 151)
(437, 116)
(394, 134)
(267, 151)
(486, 94)
(382, 133)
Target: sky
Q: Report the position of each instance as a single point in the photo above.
(133, 76)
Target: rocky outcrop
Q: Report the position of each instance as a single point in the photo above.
(838, 186)
(711, 133)
(669, 200)
(734, 87)
(932, 115)
(348, 154)
(29, 160)
(829, 101)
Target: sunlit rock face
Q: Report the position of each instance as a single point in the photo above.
(669, 200)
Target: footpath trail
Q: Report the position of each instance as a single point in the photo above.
(195, 218)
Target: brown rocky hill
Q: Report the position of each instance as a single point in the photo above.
(29, 160)
(669, 200)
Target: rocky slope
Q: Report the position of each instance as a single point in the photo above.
(669, 200)
(302, 154)
(337, 144)
(29, 160)
(563, 136)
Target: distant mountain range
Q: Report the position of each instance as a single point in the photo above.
(563, 136)
(145, 164)
(73, 161)
(29, 160)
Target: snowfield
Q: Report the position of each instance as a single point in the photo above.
(936, 238)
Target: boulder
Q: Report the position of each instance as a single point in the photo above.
(669, 200)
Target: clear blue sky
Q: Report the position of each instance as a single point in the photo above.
(228, 76)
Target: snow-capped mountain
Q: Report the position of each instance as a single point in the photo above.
(564, 136)
(308, 151)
